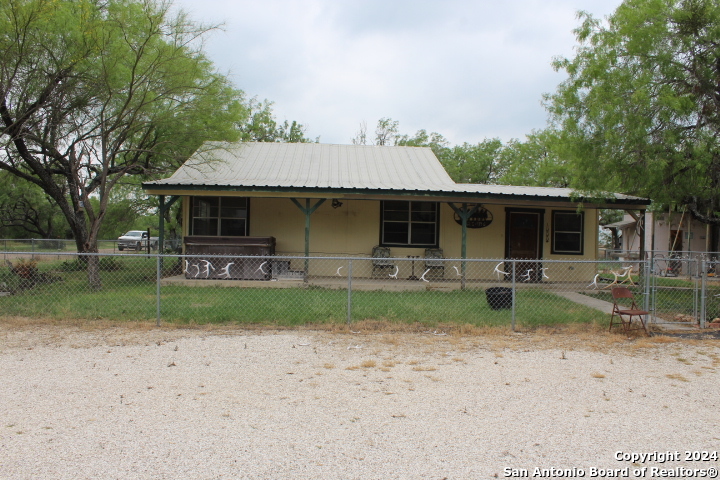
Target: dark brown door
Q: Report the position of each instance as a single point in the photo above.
(523, 242)
(676, 241)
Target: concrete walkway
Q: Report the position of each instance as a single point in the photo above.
(606, 307)
(592, 302)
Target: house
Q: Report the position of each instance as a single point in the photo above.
(668, 234)
(343, 200)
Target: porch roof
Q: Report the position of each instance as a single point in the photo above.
(311, 170)
(620, 224)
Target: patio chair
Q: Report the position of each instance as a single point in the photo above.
(626, 314)
(434, 262)
(381, 259)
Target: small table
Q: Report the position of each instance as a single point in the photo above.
(412, 275)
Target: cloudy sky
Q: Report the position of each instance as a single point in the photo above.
(467, 69)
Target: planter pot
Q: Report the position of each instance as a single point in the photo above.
(499, 297)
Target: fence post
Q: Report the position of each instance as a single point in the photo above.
(157, 286)
(693, 264)
(349, 293)
(647, 265)
(513, 295)
(703, 293)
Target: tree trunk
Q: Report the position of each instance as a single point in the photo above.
(86, 244)
(93, 269)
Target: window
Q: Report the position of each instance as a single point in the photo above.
(409, 223)
(223, 216)
(567, 233)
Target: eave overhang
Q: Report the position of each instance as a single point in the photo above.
(457, 196)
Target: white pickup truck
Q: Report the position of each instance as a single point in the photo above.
(136, 240)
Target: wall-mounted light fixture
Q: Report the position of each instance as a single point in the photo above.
(336, 203)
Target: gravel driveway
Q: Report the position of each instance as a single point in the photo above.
(134, 403)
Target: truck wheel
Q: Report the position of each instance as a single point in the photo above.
(154, 246)
(138, 247)
(120, 249)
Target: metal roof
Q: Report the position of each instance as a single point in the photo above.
(334, 170)
(313, 165)
(620, 224)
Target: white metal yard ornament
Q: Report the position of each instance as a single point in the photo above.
(499, 272)
(394, 275)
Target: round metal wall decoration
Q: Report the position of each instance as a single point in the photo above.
(480, 219)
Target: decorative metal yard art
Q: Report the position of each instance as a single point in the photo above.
(480, 219)
(623, 273)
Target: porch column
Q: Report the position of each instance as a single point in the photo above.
(163, 208)
(641, 227)
(307, 210)
(464, 214)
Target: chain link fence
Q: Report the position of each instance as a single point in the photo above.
(295, 290)
(31, 246)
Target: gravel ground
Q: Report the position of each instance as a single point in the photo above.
(122, 403)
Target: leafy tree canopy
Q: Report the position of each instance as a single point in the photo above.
(261, 126)
(640, 109)
(27, 212)
(529, 162)
(93, 91)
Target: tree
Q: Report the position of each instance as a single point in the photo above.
(360, 137)
(640, 109)
(92, 91)
(435, 141)
(534, 162)
(261, 126)
(25, 210)
(479, 163)
(386, 131)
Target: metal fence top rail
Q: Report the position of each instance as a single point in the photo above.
(319, 257)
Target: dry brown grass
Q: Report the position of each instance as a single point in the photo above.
(381, 334)
(420, 368)
(597, 375)
(677, 376)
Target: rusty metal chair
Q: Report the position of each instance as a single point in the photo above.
(627, 314)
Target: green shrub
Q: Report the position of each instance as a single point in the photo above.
(107, 264)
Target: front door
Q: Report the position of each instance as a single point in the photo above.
(676, 241)
(524, 242)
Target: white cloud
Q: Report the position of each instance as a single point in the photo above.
(465, 69)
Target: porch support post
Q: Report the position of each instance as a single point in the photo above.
(161, 233)
(163, 208)
(464, 214)
(307, 210)
(641, 225)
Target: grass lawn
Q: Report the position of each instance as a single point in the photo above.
(129, 293)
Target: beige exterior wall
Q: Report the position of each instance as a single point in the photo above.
(354, 228)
